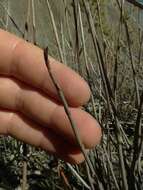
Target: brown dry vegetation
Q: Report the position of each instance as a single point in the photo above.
(103, 41)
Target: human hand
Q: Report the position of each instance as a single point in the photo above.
(30, 109)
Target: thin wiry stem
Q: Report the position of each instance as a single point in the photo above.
(111, 169)
(86, 57)
(33, 22)
(115, 82)
(24, 169)
(138, 138)
(66, 108)
(76, 49)
(55, 31)
(12, 20)
(78, 176)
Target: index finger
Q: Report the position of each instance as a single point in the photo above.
(25, 62)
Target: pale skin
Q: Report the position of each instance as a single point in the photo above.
(30, 109)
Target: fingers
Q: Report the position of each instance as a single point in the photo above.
(43, 121)
(27, 131)
(16, 96)
(26, 63)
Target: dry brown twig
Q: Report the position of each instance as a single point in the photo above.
(67, 111)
